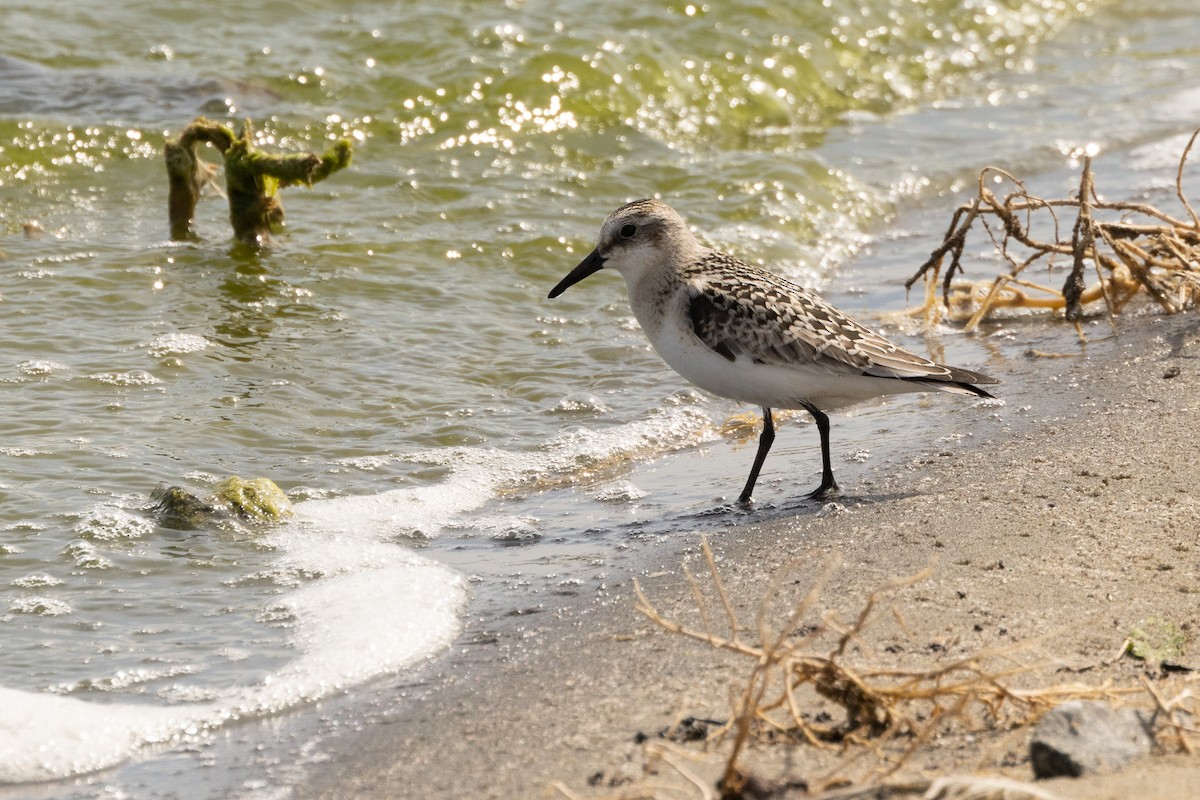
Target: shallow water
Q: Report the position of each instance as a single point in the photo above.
(391, 360)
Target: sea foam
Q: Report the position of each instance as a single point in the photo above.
(373, 608)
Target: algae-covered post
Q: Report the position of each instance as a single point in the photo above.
(253, 178)
(187, 174)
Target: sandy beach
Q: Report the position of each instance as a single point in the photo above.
(1055, 537)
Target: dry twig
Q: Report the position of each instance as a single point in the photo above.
(803, 669)
(1132, 248)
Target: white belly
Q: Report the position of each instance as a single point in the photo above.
(771, 385)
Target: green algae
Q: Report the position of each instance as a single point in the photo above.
(257, 500)
(1156, 640)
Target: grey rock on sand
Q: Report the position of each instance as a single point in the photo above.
(1079, 738)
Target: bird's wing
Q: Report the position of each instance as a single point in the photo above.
(774, 321)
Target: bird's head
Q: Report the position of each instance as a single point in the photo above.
(638, 237)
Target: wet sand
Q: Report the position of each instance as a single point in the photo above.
(1055, 537)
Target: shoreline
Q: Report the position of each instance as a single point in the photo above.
(1067, 528)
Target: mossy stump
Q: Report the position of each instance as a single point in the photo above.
(253, 178)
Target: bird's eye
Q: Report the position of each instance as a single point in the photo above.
(628, 231)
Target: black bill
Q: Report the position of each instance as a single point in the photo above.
(593, 263)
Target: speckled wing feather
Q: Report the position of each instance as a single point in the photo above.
(736, 309)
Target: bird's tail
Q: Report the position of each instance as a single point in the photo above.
(956, 387)
(958, 381)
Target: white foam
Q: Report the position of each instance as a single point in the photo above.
(36, 580)
(574, 449)
(367, 463)
(362, 623)
(134, 377)
(109, 522)
(422, 510)
(376, 608)
(45, 737)
(46, 606)
(41, 367)
(176, 344)
(22, 452)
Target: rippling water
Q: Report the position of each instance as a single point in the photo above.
(391, 360)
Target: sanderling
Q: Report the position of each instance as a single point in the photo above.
(743, 333)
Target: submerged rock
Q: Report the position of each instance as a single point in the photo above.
(177, 507)
(258, 500)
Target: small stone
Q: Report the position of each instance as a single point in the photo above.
(689, 729)
(178, 507)
(1081, 738)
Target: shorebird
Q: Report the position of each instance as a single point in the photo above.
(741, 332)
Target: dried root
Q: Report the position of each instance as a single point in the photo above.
(810, 684)
(1131, 249)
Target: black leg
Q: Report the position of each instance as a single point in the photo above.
(764, 445)
(827, 482)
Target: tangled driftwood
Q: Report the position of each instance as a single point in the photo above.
(1132, 248)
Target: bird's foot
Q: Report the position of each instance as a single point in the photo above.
(824, 491)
